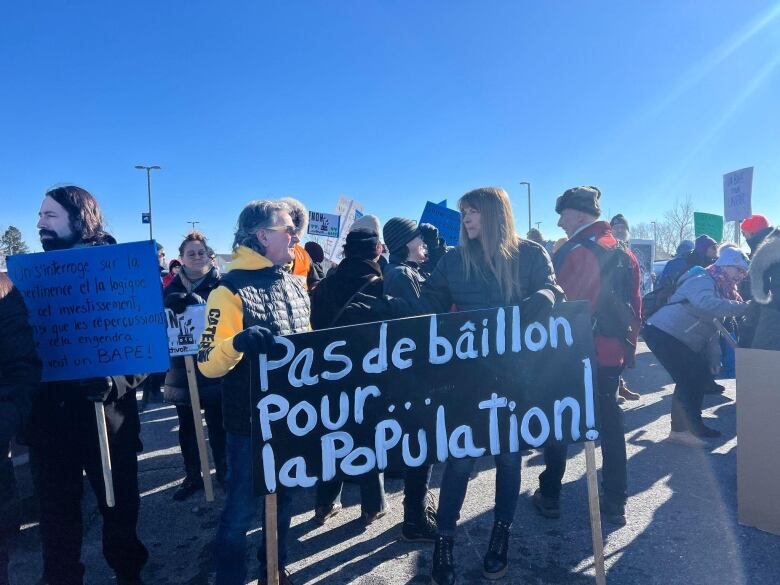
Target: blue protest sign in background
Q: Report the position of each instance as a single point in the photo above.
(95, 311)
(447, 220)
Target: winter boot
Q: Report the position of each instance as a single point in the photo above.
(495, 564)
(443, 572)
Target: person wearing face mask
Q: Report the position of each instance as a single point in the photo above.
(256, 298)
(192, 286)
(63, 434)
(683, 337)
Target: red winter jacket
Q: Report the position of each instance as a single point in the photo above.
(580, 277)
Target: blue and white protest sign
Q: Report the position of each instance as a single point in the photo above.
(737, 193)
(445, 219)
(324, 224)
(95, 311)
(184, 330)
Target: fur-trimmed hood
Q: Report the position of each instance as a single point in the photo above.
(767, 254)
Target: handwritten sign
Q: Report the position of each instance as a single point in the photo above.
(184, 330)
(447, 220)
(708, 224)
(737, 193)
(324, 224)
(396, 394)
(95, 311)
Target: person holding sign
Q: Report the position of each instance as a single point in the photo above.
(20, 375)
(256, 299)
(491, 267)
(63, 432)
(192, 286)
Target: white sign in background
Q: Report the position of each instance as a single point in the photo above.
(348, 210)
(737, 192)
(184, 330)
(324, 224)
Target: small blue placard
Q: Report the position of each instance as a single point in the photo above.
(95, 311)
(447, 220)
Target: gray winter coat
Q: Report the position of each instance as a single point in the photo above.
(691, 310)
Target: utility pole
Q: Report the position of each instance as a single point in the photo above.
(655, 236)
(148, 216)
(193, 224)
(528, 185)
(538, 223)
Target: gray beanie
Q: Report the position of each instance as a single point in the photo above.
(398, 232)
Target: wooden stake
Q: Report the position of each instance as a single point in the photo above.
(192, 382)
(595, 513)
(271, 541)
(105, 454)
(725, 333)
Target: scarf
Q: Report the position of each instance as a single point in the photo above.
(727, 286)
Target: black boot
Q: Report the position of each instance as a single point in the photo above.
(495, 564)
(190, 486)
(443, 572)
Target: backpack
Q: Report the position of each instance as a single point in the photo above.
(614, 315)
(657, 298)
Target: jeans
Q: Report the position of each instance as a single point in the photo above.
(689, 370)
(189, 443)
(240, 507)
(728, 361)
(416, 481)
(456, 479)
(614, 477)
(372, 493)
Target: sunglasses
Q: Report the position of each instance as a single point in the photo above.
(289, 229)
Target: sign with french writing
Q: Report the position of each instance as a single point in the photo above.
(737, 193)
(445, 219)
(184, 330)
(389, 395)
(95, 311)
(324, 224)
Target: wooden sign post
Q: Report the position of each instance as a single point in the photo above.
(192, 382)
(595, 513)
(105, 454)
(271, 541)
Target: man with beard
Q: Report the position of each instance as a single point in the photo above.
(63, 431)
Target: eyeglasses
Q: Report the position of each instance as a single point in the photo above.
(290, 229)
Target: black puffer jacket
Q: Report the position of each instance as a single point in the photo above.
(448, 287)
(176, 385)
(403, 279)
(765, 284)
(333, 292)
(20, 368)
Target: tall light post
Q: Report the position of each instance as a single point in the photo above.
(538, 223)
(655, 236)
(528, 185)
(193, 224)
(148, 170)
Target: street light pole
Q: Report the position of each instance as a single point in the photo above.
(655, 236)
(538, 223)
(149, 170)
(528, 185)
(193, 224)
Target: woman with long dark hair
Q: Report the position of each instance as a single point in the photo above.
(191, 286)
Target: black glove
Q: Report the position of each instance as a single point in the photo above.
(178, 302)
(537, 306)
(96, 389)
(254, 340)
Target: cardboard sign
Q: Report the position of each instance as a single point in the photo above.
(737, 193)
(347, 210)
(395, 394)
(184, 330)
(758, 436)
(324, 224)
(708, 224)
(95, 311)
(644, 251)
(446, 220)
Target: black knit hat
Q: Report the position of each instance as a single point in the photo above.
(361, 243)
(619, 218)
(398, 232)
(585, 199)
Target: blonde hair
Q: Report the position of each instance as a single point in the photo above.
(498, 242)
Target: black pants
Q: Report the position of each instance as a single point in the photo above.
(65, 444)
(416, 481)
(614, 477)
(189, 444)
(10, 511)
(689, 370)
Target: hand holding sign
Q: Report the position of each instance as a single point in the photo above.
(254, 340)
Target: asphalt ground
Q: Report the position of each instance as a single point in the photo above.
(682, 517)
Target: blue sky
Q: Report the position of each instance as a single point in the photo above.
(390, 102)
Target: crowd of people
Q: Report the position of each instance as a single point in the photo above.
(276, 286)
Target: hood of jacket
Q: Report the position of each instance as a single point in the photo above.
(247, 259)
(597, 230)
(334, 291)
(754, 241)
(764, 262)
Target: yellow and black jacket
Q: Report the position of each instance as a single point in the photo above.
(252, 292)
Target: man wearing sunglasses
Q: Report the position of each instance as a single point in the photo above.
(257, 298)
